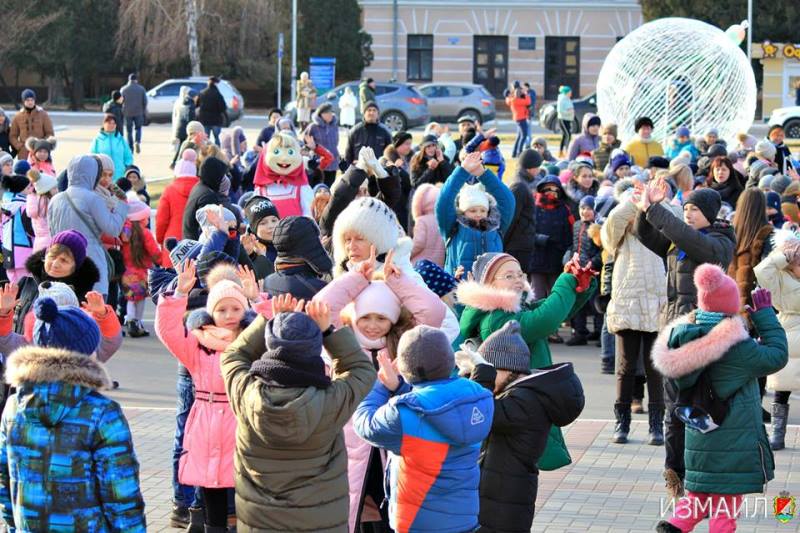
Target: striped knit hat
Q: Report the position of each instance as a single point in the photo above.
(506, 349)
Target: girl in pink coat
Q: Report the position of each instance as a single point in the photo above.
(210, 434)
(379, 308)
(428, 242)
(45, 187)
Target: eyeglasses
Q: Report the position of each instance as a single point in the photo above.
(511, 277)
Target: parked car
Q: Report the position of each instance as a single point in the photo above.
(789, 118)
(401, 104)
(161, 98)
(548, 116)
(448, 101)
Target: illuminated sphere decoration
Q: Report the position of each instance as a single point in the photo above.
(679, 72)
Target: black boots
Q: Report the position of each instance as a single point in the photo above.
(607, 365)
(655, 415)
(780, 413)
(622, 412)
(136, 329)
(196, 520)
(666, 527)
(577, 340)
(179, 518)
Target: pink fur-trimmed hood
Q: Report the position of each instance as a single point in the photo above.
(699, 353)
(424, 200)
(486, 298)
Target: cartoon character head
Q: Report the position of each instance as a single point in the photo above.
(283, 154)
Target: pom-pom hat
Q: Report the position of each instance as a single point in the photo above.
(187, 165)
(67, 327)
(716, 291)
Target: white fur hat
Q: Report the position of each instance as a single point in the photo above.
(472, 196)
(372, 219)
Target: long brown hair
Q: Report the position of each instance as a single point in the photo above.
(418, 162)
(137, 245)
(722, 161)
(749, 218)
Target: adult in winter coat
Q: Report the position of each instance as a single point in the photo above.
(172, 206)
(369, 132)
(212, 109)
(428, 242)
(638, 293)
(643, 146)
(31, 121)
(553, 225)
(306, 99)
(290, 421)
(396, 161)
(685, 244)
(726, 180)
(5, 129)
(582, 183)
(565, 111)
(779, 273)
(713, 342)
(366, 93)
(347, 108)
(588, 140)
(324, 128)
(519, 102)
(519, 239)
(429, 164)
(204, 193)
(183, 112)
(601, 156)
(83, 208)
(134, 107)
(755, 238)
(110, 142)
(471, 221)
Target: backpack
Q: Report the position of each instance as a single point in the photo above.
(700, 407)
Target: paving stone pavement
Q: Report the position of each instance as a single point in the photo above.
(608, 488)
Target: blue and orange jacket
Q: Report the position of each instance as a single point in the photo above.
(433, 433)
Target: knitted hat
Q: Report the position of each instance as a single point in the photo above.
(620, 160)
(609, 129)
(61, 293)
(530, 158)
(539, 141)
(716, 150)
(210, 260)
(201, 215)
(106, 162)
(766, 150)
(298, 238)
(371, 103)
(42, 183)
(257, 208)
(564, 89)
(774, 200)
(319, 188)
(766, 182)
(642, 121)
(657, 161)
(222, 290)
(194, 127)
(791, 249)
(75, 241)
(21, 167)
(683, 131)
(424, 354)
(370, 218)
(708, 201)
(587, 201)
(28, 93)
(187, 165)
(377, 298)
(472, 196)
(435, 277)
(712, 131)
(15, 184)
(594, 120)
(292, 359)
(179, 251)
(400, 137)
(716, 291)
(506, 349)
(68, 327)
(137, 210)
(486, 266)
(325, 107)
(779, 183)
(5, 157)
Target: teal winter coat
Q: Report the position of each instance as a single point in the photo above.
(116, 147)
(736, 457)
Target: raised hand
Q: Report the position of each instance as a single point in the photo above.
(249, 242)
(432, 163)
(367, 267)
(656, 192)
(8, 298)
(640, 197)
(214, 217)
(94, 304)
(459, 273)
(249, 283)
(762, 299)
(387, 373)
(490, 133)
(309, 140)
(187, 276)
(473, 164)
(390, 270)
(319, 312)
(286, 303)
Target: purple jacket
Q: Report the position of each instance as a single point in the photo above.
(327, 135)
(584, 142)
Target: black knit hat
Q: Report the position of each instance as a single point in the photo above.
(210, 260)
(372, 103)
(292, 359)
(257, 208)
(298, 238)
(400, 137)
(530, 159)
(642, 121)
(15, 184)
(325, 107)
(657, 161)
(212, 171)
(708, 201)
(506, 349)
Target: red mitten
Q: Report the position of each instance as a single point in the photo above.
(584, 277)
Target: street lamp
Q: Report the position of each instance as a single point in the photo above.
(294, 49)
(749, 30)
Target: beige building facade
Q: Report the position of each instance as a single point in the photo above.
(781, 66)
(546, 43)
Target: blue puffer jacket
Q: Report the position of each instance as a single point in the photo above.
(553, 232)
(676, 148)
(114, 146)
(463, 241)
(433, 433)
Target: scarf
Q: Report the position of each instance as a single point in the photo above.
(214, 338)
(708, 318)
(266, 176)
(546, 202)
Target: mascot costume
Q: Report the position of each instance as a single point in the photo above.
(281, 177)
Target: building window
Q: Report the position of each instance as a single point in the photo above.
(561, 65)
(420, 57)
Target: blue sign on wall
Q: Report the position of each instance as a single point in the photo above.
(322, 71)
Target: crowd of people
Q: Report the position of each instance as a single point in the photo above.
(363, 337)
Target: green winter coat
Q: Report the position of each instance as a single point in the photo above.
(487, 309)
(736, 457)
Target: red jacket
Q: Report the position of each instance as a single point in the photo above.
(169, 215)
(519, 107)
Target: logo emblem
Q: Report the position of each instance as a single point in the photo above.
(783, 506)
(478, 418)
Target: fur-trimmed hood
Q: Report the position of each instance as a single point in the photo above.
(424, 200)
(82, 280)
(35, 364)
(487, 298)
(697, 353)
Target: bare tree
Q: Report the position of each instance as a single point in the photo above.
(191, 34)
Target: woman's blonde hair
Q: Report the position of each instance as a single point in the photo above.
(209, 151)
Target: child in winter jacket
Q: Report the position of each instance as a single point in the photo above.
(17, 232)
(727, 452)
(290, 417)
(139, 253)
(682, 142)
(428, 243)
(262, 218)
(45, 187)
(553, 222)
(432, 425)
(472, 220)
(526, 406)
(500, 292)
(209, 441)
(40, 154)
(588, 253)
(582, 183)
(86, 475)
(779, 273)
(379, 312)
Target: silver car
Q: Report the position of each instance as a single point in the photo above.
(161, 98)
(448, 101)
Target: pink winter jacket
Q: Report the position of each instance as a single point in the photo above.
(427, 309)
(41, 229)
(428, 242)
(210, 436)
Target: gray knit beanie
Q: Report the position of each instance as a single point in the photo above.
(780, 182)
(506, 349)
(424, 354)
